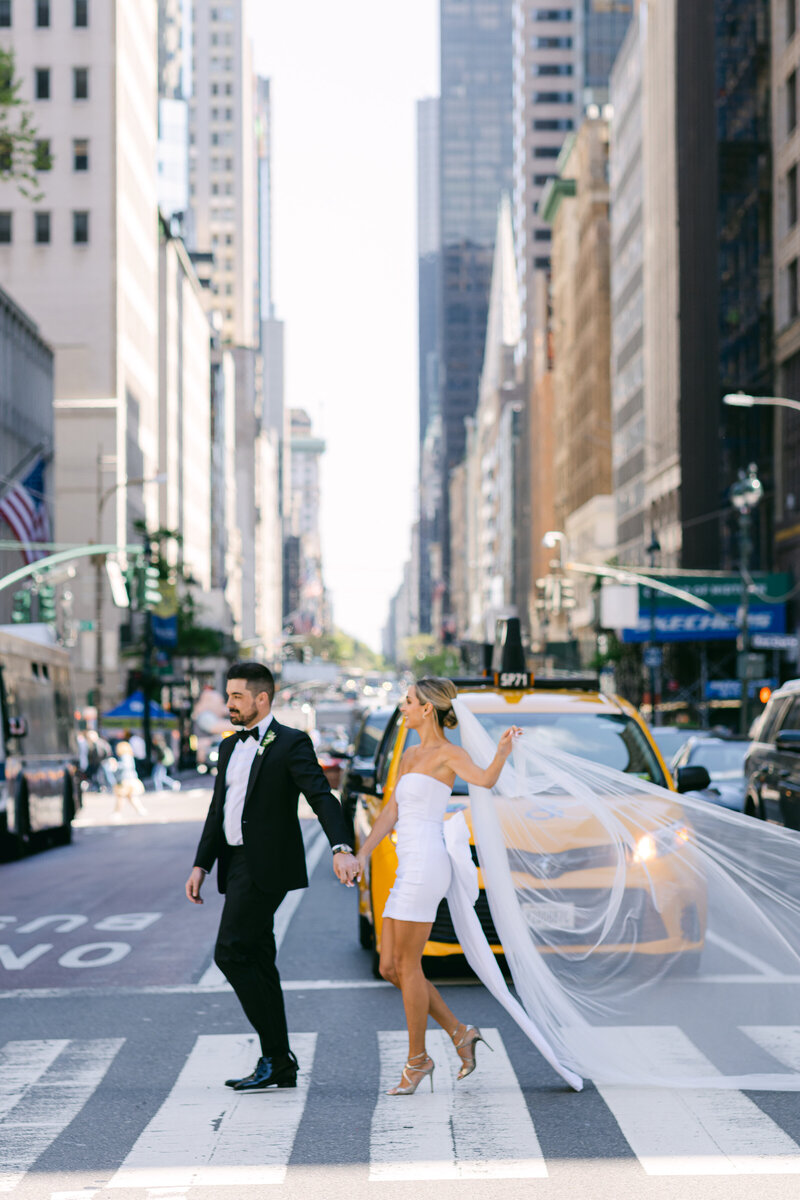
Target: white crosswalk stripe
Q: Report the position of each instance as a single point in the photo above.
(781, 1041)
(472, 1130)
(43, 1087)
(205, 1135)
(692, 1131)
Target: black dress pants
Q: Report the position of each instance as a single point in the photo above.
(245, 953)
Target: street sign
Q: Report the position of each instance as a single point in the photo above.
(751, 666)
(774, 641)
(653, 657)
(731, 689)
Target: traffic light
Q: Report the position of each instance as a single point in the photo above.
(47, 604)
(152, 585)
(21, 607)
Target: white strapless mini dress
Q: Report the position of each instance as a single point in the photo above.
(424, 868)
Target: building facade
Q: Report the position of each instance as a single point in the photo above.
(627, 296)
(184, 409)
(786, 279)
(26, 419)
(83, 261)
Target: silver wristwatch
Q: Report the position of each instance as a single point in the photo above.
(342, 848)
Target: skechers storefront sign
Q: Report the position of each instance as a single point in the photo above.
(676, 621)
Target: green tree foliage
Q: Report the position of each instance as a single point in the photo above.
(423, 655)
(22, 152)
(342, 648)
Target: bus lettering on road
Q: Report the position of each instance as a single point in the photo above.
(91, 954)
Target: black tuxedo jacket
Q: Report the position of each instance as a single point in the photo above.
(271, 835)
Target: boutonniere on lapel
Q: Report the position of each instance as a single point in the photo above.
(267, 740)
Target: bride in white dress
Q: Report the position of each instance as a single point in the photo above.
(417, 809)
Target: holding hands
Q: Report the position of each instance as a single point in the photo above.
(346, 867)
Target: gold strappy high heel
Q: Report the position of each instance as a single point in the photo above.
(421, 1072)
(469, 1041)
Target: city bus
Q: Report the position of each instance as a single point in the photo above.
(39, 785)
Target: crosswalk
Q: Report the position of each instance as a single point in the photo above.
(205, 1136)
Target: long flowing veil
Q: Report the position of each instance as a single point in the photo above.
(651, 938)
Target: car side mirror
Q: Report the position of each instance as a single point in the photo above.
(17, 727)
(788, 739)
(692, 779)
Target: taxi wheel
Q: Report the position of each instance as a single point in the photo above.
(63, 835)
(366, 937)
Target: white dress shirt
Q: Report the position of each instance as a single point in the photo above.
(236, 776)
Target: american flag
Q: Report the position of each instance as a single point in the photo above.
(24, 510)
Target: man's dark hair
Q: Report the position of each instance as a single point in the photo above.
(258, 677)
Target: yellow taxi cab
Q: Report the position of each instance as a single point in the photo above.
(573, 716)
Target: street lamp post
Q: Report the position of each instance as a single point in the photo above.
(743, 400)
(655, 668)
(745, 495)
(99, 563)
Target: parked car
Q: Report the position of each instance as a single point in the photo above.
(723, 758)
(359, 772)
(772, 766)
(575, 717)
(671, 739)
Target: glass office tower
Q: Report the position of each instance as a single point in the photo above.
(475, 170)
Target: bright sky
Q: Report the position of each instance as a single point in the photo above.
(345, 78)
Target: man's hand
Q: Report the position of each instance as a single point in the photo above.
(346, 868)
(193, 885)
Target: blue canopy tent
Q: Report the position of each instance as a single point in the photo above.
(131, 712)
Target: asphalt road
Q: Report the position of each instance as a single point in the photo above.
(116, 1035)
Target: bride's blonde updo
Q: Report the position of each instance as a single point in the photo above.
(440, 693)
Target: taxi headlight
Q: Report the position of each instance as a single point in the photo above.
(655, 845)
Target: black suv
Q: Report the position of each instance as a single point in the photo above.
(772, 766)
(359, 772)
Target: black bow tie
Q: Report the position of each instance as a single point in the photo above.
(244, 734)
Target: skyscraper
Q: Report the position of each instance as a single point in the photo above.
(430, 420)
(475, 169)
(222, 164)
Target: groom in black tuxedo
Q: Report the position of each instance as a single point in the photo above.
(252, 832)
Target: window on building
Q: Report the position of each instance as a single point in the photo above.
(80, 16)
(551, 43)
(552, 14)
(6, 153)
(41, 83)
(547, 151)
(552, 97)
(551, 69)
(5, 14)
(541, 180)
(80, 154)
(552, 125)
(791, 19)
(791, 102)
(542, 264)
(791, 289)
(5, 227)
(214, 89)
(791, 197)
(80, 228)
(41, 228)
(42, 14)
(80, 83)
(541, 235)
(42, 158)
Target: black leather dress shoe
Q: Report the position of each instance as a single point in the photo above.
(277, 1071)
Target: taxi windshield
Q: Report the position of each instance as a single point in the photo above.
(612, 739)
